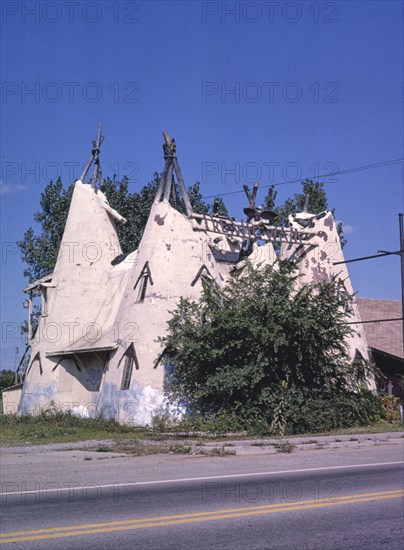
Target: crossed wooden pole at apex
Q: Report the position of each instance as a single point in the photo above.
(95, 157)
(167, 177)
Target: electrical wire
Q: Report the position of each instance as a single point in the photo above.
(338, 172)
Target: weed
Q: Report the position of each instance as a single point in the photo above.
(284, 446)
(390, 405)
(218, 451)
(178, 448)
(103, 449)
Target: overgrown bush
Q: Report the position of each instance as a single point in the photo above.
(313, 412)
(268, 357)
(303, 412)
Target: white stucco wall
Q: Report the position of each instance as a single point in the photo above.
(93, 305)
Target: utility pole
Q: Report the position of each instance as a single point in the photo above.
(381, 254)
(400, 219)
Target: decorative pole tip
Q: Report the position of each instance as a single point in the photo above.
(169, 146)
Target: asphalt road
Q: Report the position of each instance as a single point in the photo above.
(317, 501)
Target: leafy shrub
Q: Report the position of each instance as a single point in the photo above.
(313, 413)
(264, 356)
(390, 407)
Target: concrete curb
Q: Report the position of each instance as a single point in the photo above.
(292, 443)
(261, 446)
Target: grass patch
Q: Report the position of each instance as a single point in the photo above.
(377, 427)
(136, 447)
(227, 427)
(180, 449)
(57, 427)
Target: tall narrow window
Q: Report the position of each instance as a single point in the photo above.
(44, 301)
(130, 360)
(127, 372)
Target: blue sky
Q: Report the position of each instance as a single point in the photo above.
(274, 91)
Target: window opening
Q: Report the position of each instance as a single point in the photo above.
(130, 360)
(44, 301)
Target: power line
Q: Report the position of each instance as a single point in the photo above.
(380, 255)
(339, 172)
(373, 321)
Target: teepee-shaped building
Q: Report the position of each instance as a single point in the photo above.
(96, 349)
(170, 263)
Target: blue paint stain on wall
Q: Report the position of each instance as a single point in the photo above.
(136, 405)
(93, 377)
(33, 402)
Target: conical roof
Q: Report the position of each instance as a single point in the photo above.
(79, 302)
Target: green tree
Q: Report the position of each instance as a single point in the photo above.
(317, 202)
(219, 208)
(196, 200)
(256, 347)
(6, 379)
(40, 250)
(127, 204)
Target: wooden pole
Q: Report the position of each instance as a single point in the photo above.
(181, 182)
(254, 225)
(169, 181)
(96, 157)
(30, 316)
(86, 168)
(162, 181)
